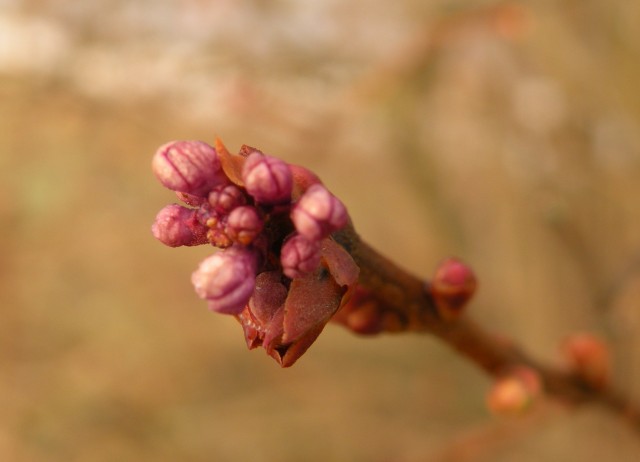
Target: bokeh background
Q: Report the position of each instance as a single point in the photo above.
(504, 133)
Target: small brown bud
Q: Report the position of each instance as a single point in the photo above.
(589, 357)
(452, 286)
(515, 393)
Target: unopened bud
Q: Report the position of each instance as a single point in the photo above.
(243, 224)
(452, 286)
(318, 213)
(191, 167)
(218, 238)
(299, 256)
(361, 314)
(176, 225)
(224, 198)
(226, 279)
(515, 393)
(589, 357)
(267, 179)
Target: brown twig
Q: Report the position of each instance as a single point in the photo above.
(400, 299)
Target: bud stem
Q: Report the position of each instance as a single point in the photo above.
(397, 293)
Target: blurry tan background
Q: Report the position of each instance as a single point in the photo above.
(507, 134)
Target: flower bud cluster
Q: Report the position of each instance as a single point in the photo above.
(273, 222)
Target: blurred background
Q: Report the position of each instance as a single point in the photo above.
(507, 134)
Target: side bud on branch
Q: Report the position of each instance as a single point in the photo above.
(452, 287)
(515, 392)
(588, 356)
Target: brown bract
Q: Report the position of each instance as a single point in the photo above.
(286, 331)
(231, 164)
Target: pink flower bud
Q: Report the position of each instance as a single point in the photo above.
(176, 225)
(267, 179)
(243, 224)
(227, 279)
(191, 167)
(318, 213)
(299, 256)
(216, 224)
(224, 198)
(218, 238)
(515, 392)
(589, 357)
(361, 314)
(452, 286)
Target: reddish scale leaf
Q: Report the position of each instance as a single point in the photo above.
(287, 357)
(250, 328)
(340, 264)
(302, 180)
(268, 296)
(312, 300)
(231, 163)
(262, 319)
(274, 331)
(245, 151)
